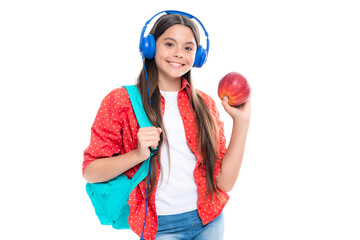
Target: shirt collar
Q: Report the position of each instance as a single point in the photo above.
(186, 85)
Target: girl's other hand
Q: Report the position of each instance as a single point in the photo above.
(148, 137)
(239, 114)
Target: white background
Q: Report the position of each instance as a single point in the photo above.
(300, 176)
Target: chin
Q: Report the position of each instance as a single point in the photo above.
(177, 74)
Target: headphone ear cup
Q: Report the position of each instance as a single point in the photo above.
(200, 57)
(148, 47)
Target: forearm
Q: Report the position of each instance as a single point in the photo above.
(233, 157)
(105, 169)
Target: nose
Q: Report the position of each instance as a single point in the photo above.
(178, 53)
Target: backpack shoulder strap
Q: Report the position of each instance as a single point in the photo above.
(137, 105)
(143, 121)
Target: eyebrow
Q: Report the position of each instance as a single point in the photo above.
(172, 39)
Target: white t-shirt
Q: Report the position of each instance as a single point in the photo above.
(177, 191)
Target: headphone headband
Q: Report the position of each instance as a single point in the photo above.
(147, 44)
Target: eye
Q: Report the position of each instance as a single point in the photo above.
(188, 49)
(169, 44)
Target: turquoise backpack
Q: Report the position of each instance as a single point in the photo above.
(110, 198)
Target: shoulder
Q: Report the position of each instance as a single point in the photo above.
(209, 101)
(117, 99)
(118, 94)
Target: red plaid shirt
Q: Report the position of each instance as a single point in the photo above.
(114, 131)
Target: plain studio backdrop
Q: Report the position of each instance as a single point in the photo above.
(300, 175)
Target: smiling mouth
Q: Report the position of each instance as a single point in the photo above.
(175, 64)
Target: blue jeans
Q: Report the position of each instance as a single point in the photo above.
(188, 226)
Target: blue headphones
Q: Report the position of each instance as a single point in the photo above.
(147, 44)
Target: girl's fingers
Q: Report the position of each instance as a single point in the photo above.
(241, 113)
(149, 136)
(225, 103)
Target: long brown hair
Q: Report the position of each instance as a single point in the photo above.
(207, 129)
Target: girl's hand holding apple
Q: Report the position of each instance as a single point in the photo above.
(234, 91)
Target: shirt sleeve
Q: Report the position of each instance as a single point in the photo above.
(106, 131)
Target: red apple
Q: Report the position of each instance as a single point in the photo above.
(235, 87)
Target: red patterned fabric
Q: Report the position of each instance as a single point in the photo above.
(114, 132)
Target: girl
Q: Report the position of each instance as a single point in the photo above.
(193, 170)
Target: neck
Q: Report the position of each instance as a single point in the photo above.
(170, 85)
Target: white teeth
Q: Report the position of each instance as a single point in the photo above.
(175, 64)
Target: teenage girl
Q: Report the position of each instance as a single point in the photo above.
(192, 170)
